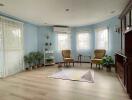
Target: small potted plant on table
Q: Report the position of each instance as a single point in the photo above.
(107, 62)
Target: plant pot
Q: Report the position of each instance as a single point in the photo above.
(35, 66)
(40, 65)
(26, 68)
(30, 68)
(108, 68)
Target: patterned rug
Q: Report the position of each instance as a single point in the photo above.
(75, 75)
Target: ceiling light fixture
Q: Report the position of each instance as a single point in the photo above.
(1, 4)
(112, 12)
(67, 9)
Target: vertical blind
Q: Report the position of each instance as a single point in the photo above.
(1, 49)
(101, 38)
(63, 41)
(11, 45)
(83, 41)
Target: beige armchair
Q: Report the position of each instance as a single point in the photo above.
(99, 54)
(66, 54)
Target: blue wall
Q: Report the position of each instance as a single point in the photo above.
(35, 37)
(74, 32)
(43, 32)
(114, 37)
(30, 38)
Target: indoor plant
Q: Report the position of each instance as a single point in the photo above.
(28, 61)
(39, 57)
(107, 61)
(49, 60)
(33, 55)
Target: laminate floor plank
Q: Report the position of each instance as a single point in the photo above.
(35, 85)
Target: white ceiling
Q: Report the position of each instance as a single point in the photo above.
(52, 12)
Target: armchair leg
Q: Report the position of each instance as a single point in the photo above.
(99, 66)
(66, 64)
(91, 65)
(73, 64)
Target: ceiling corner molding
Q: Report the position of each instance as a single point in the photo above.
(127, 8)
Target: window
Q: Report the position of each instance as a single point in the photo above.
(83, 41)
(101, 38)
(63, 40)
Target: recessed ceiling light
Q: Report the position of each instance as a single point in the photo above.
(67, 9)
(112, 12)
(1, 4)
(45, 23)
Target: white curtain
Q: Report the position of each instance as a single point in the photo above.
(1, 49)
(63, 41)
(101, 38)
(12, 41)
(83, 41)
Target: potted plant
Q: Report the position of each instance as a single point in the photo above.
(39, 57)
(107, 61)
(28, 61)
(50, 60)
(33, 55)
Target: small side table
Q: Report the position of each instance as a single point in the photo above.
(80, 58)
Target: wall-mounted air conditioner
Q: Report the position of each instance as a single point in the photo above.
(62, 29)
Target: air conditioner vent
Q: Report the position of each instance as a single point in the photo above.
(61, 29)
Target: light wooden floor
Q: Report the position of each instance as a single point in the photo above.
(35, 85)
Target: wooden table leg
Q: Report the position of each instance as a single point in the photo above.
(80, 59)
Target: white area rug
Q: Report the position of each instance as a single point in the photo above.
(75, 75)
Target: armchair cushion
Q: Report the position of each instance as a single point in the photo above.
(68, 60)
(96, 61)
(99, 53)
